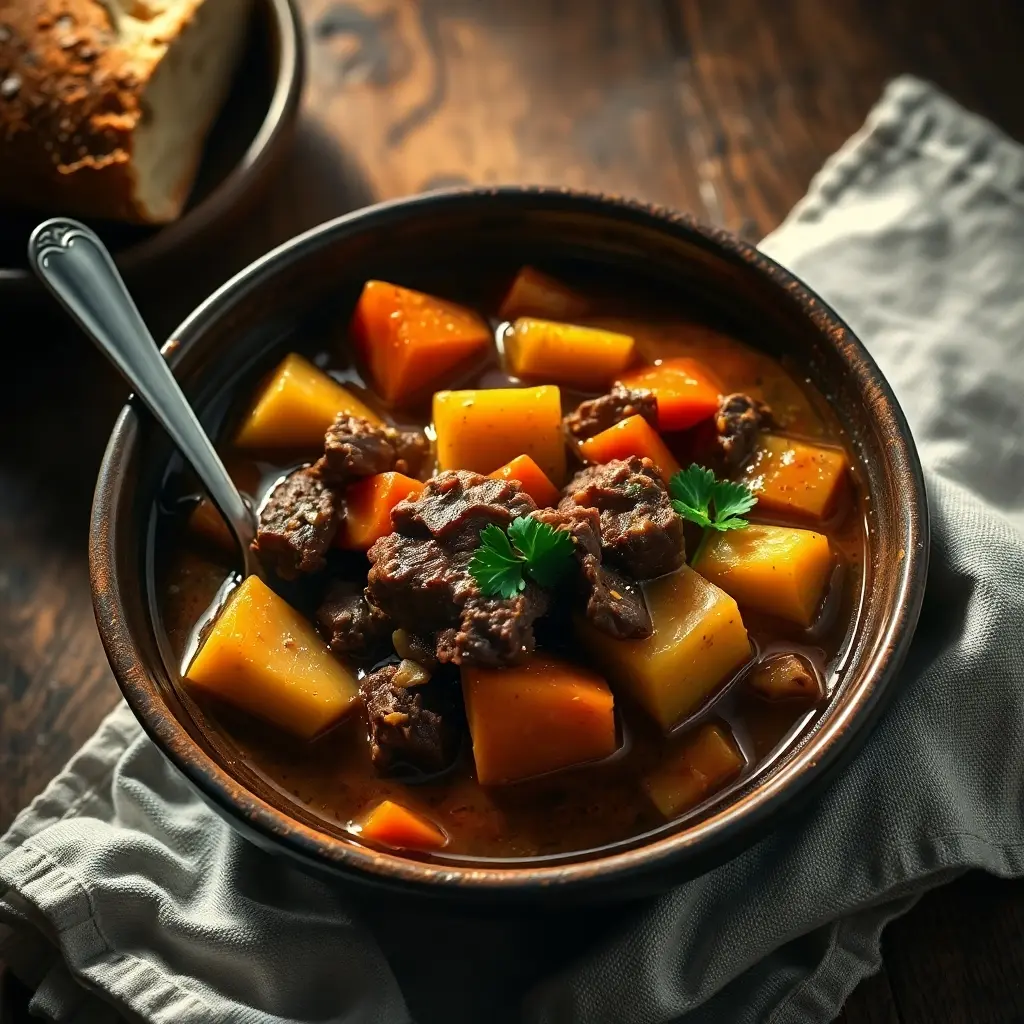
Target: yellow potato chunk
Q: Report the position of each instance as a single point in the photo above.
(705, 761)
(585, 357)
(777, 570)
(483, 429)
(538, 717)
(698, 642)
(295, 407)
(795, 478)
(262, 656)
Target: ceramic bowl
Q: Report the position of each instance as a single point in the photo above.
(246, 325)
(244, 146)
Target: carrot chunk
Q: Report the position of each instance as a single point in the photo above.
(532, 477)
(368, 505)
(633, 436)
(205, 521)
(537, 717)
(686, 391)
(411, 342)
(391, 824)
(586, 357)
(535, 294)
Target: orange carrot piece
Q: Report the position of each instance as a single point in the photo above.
(368, 505)
(391, 824)
(205, 521)
(532, 477)
(535, 294)
(538, 717)
(686, 391)
(633, 436)
(411, 342)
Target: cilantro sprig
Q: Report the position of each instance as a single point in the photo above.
(530, 549)
(714, 504)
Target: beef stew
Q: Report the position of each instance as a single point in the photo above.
(414, 686)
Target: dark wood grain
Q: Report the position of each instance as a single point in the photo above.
(723, 107)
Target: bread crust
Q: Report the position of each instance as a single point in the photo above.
(71, 98)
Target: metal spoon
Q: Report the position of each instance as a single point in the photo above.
(75, 265)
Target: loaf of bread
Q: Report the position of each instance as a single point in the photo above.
(105, 104)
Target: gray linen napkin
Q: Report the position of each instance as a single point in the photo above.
(119, 889)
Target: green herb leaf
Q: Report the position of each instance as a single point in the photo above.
(495, 566)
(731, 500)
(547, 551)
(500, 565)
(714, 504)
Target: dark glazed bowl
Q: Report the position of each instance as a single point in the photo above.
(249, 319)
(244, 146)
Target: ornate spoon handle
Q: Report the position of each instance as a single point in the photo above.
(75, 265)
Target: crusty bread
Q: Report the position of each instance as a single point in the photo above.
(105, 106)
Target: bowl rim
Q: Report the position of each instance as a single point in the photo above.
(259, 155)
(819, 753)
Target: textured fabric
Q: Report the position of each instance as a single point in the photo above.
(119, 889)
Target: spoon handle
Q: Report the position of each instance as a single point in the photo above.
(75, 265)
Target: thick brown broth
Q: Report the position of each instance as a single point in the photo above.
(580, 809)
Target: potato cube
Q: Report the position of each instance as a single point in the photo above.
(537, 717)
(795, 478)
(262, 656)
(535, 294)
(296, 406)
(706, 760)
(698, 642)
(584, 357)
(778, 570)
(482, 430)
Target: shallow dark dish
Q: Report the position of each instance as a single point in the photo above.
(252, 315)
(245, 144)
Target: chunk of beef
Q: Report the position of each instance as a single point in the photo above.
(418, 583)
(597, 414)
(738, 421)
(408, 729)
(419, 575)
(494, 631)
(641, 535)
(613, 604)
(349, 623)
(412, 450)
(455, 506)
(297, 524)
(355, 447)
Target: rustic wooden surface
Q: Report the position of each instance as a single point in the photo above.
(722, 107)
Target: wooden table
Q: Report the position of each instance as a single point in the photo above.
(725, 108)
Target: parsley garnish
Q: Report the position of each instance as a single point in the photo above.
(531, 549)
(714, 504)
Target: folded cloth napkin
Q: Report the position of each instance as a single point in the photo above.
(121, 892)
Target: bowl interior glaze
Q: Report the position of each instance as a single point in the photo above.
(250, 322)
